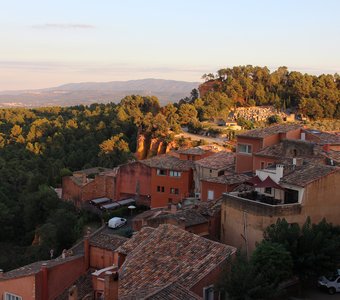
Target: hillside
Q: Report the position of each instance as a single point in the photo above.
(100, 92)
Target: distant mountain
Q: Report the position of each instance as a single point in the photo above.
(100, 92)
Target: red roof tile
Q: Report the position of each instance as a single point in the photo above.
(217, 161)
(268, 131)
(168, 162)
(166, 255)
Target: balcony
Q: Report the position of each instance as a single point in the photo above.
(257, 204)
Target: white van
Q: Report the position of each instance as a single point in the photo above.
(330, 283)
(116, 222)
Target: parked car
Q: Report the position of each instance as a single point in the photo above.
(116, 222)
(331, 283)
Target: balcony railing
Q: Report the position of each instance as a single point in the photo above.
(260, 208)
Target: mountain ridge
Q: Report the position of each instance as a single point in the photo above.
(101, 92)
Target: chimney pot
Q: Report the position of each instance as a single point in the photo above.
(1, 273)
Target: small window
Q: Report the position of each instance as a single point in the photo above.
(9, 296)
(161, 172)
(174, 191)
(262, 164)
(162, 189)
(268, 190)
(158, 188)
(175, 174)
(208, 293)
(210, 195)
(242, 148)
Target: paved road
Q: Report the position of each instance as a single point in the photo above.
(209, 140)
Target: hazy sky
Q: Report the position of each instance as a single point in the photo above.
(46, 43)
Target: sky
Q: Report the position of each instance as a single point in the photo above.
(45, 43)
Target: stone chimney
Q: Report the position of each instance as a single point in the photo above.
(173, 208)
(44, 286)
(73, 293)
(111, 285)
(279, 171)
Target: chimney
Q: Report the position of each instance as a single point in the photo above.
(44, 286)
(1, 273)
(111, 285)
(173, 208)
(73, 293)
(86, 252)
(303, 136)
(279, 171)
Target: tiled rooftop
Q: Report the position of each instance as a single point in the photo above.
(168, 162)
(322, 137)
(90, 171)
(271, 130)
(306, 174)
(157, 257)
(228, 179)
(191, 151)
(106, 239)
(217, 161)
(35, 267)
(173, 291)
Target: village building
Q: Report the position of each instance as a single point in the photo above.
(293, 192)
(156, 263)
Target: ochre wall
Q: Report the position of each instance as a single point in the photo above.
(23, 287)
(161, 199)
(320, 200)
(244, 162)
(100, 258)
(62, 276)
(258, 159)
(200, 229)
(130, 176)
(216, 187)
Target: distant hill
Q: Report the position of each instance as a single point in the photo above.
(100, 92)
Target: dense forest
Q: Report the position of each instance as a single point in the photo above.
(38, 146)
(314, 96)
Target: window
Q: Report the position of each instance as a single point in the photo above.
(161, 172)
(175, 174)
(262, 164)
(210, 195)
(208, 293)
(9, 296)
(160, 188)
(220, 173)
(174, 191)
(242, 148)
(268, 190)
(291, 196)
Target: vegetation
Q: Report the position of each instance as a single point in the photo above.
(314, 96)
(287, 250)
(40, 146)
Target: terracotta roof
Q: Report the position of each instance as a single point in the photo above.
(35, 267)
(168, 162)
(306, 174)
(335, 155)
(191, 151)
(271, 130)
(107, 239)
(173, 291)
(166, 255)
(217, 161)
(322, 137)
(228, 179)
(90, 171)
